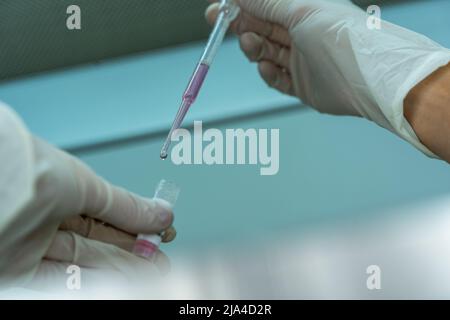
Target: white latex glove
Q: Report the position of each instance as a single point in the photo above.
(324, 53)
(43, 192)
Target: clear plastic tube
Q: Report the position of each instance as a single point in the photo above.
(146, 245)
(227, 13)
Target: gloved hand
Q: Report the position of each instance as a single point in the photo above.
(104, 256)
(324, 53)
(43, 192)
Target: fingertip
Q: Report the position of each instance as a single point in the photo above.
(211, 13)
(169, 235)
(140, 215)
(268, 72)
(164, 213)
(276, 77)
(251, 45)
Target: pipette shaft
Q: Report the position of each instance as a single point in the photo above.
(227, 13)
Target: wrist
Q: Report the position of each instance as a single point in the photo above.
(427, 109)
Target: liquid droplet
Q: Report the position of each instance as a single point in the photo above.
(163, 155)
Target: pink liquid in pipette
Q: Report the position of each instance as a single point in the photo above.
(189, 97)
(196, 82)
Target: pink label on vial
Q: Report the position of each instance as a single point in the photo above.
(144, 248)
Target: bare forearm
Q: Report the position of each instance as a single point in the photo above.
(427, 109)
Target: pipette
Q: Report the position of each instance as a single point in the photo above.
(227, 13)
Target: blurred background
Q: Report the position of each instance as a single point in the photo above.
(348, 194)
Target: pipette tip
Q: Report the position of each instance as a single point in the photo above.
(163, 155)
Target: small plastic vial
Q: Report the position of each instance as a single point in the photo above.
(147, 244)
